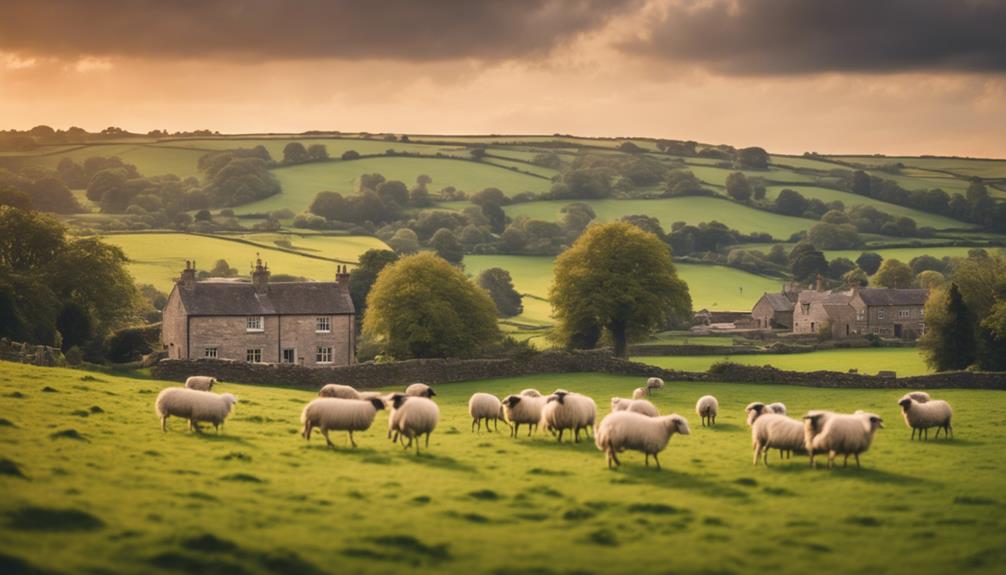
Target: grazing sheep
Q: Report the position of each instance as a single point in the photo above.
(530, 392)
(194, 405)
(636, 405)
(420, 390)
(638, 393)
(524, 409)
(565, 410)
(653, 383)
(414, 416)
(772, 430)
(777, 407)
(335, 390)
(813, 423)
(921, 416)
(337, 414)
(706, 408)
(623, 430)
(200, 382)
(840, 434)
(484, 406)
(919, 396)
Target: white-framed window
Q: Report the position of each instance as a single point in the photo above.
(322, 324)
(254, 323)
(210, 352)
(860, 315)
(289, 355)
(254, 355)
(903, 313)
(323, 354)
(922, 312)
(880, 314)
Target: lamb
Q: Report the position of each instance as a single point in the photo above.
(420, 390)
(841, 434)
(200, 382)
(524, 409)
(919, 396)
(772, 430)
(706, 408)
(530, 392)
(335, 390)
(921, 416)
(570, 411)
(484, 406)
(638, 393)
(636, 405)
(653, 383)
(623, 430)
(413, 417)
(331, 413)
(194, 405)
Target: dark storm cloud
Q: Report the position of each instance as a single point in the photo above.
(805, 36)
(293, 29)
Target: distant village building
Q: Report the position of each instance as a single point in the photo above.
(304, 323)
(775, 310)
(858, 312)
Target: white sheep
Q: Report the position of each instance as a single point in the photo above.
(414, 416)
(530, 392)
(636, 405)
(653, 383)
(523, 409)
(338, 391)
(485, 406)
(706, 408)
(921, 416)
(775, 431)
(638, 393)
(337, 414)
(841, 434)
(623, 430)
(777, 407)
(420, 390)
(919, 396)
(200, 382)
(194, 405)
(565, 410)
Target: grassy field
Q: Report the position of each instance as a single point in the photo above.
(92, 485)
(718, 176)
(302, 183)
(712, 287)
(669, 210)
(903, 360)
(849, 200)
(158, 258)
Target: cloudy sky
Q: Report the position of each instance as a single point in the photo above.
(840, 76)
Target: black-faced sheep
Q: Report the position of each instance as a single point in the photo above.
(653, 383)
(336, 414)
(195, 406)
(922, 416)
(420, 390)
(523, 409)
(623, 430)
(564, 410)
(841, 434)
(414, 416)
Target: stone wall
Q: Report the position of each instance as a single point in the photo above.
(440, 371)
(42, 355)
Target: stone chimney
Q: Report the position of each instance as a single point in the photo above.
(819, 283)
(188, 279)
(342, 277)
(260, 276)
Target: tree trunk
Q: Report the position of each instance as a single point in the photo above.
(618, 335)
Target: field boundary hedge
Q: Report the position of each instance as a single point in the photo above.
(442, 371)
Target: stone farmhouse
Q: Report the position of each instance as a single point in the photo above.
(852, 312)
(305, 323)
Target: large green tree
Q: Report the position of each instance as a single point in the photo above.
(422, 306)
(619, 279)
(949, 341)
(498, 283)
(363, 276)
(894, 274)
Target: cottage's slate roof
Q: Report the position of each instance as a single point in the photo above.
(779, 301)
(240, 298)
(885, 296)
(839, 311)
(811, 296)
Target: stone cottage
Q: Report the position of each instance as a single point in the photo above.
(862, 311)
(306, 323)
(817, 308)
(775, 310)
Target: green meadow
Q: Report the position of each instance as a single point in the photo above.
(93, 486)
(827, 195)
(905, 361)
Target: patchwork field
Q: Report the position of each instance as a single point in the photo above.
(92, 485)
(921, 218)
(904, 360)
(157, 258)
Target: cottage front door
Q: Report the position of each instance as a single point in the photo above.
(897, 330)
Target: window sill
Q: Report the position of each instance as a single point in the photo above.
(254, 331)
(323, 331)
